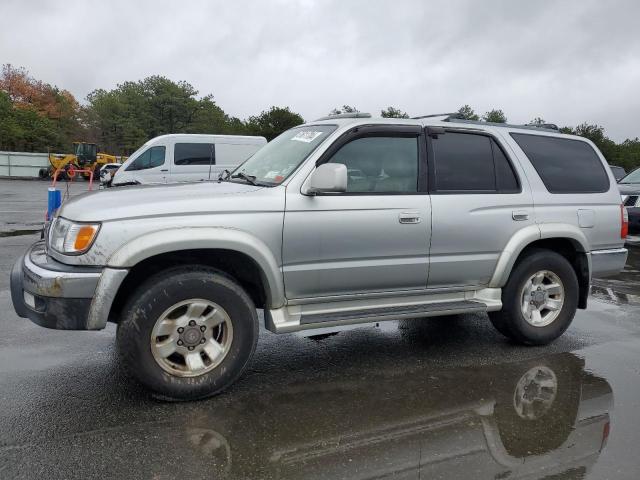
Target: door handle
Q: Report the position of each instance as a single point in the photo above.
(520, 215)
(164, 170)
(409, 217)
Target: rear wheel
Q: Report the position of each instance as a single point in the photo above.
(539, 300)
(188, 333)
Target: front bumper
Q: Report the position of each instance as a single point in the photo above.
(64, 297)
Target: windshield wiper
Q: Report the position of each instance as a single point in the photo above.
(223, 175)
(248, 178)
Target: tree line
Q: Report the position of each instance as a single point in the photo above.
(36, 116)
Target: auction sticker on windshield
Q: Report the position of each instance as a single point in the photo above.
(306, 136)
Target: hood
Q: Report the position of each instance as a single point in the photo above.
(629, 188)
(154, 200)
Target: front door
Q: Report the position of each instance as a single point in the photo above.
(149, 167)
(375, 236)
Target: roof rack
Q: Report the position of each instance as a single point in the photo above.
(548, 126)
(551, 127)
(448, 115)
(345, 115)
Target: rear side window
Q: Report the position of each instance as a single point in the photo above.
(564, 165)
(194, 154)
(150, 158)
(468, 163)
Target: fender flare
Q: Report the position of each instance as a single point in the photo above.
(190, 238)
(529, 234)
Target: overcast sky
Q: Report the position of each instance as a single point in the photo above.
(567, 62)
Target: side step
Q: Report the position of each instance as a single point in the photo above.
(392, 313)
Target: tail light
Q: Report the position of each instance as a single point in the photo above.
(624, 220)
(605, 435)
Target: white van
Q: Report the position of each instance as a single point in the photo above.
(186, 158)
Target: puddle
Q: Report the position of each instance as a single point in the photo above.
(510, 420)
(20, 233)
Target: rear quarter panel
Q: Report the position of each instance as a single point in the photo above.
(595, 215)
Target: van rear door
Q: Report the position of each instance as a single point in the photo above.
(230, 155)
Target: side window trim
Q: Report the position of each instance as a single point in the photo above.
(432, 168)
(398, 131)
(514, 171)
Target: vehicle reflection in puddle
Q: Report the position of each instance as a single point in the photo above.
(537, 418)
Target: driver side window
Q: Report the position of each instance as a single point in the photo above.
(380, 164)
(150, 158)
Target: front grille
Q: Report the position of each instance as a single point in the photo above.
(631, 201)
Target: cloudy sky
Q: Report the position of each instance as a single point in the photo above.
(566, 61)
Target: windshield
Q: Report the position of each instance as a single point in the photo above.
(274, 162)
(633, 177)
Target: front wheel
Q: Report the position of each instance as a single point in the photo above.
(539, 300)
(188, 333)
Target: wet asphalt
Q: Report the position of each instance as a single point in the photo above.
(439, 398)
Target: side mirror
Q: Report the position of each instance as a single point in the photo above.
(329, 178)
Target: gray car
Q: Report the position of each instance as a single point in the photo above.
(344, 220)
(630, 190)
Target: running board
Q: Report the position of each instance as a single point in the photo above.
(291, 319)
(391, 313)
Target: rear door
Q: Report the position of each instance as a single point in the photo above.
(480, 198)
(375, 236)
(230, 155)
(193, 161)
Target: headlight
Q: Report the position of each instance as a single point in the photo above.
(72, 238)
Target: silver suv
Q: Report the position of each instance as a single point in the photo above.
(344, 220)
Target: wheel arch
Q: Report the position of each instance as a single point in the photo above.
(236, 253)
(567, 240)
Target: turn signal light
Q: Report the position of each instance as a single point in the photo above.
(84, 237)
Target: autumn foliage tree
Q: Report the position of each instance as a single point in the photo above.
(38, 115)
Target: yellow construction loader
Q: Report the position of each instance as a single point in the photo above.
(85, 156)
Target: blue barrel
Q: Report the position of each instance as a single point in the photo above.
(54, 200)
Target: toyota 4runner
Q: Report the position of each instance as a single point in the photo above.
(344, 220)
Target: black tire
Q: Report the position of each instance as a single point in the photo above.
(511, 322)
(158, 294)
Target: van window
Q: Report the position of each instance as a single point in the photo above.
(380, 164)
(564, 165)
(150, 158)
(194, 154)
(468, 163)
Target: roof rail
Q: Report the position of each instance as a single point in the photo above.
(550, 127)
(448, 115)
(344, 115)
